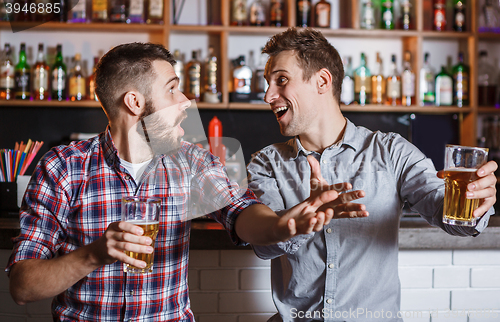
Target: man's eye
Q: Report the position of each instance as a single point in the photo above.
(171, 90)
(281, 80)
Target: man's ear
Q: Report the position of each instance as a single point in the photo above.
(135, 102)
(324, 81)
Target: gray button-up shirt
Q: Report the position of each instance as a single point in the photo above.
(349, 270)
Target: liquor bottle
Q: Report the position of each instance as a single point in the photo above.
(41, 76)
(179, 68)
(62, 15)
(386, 9)
(427, 95)
(155, 12)
(239, 13)
(362, 83)
(261, 84)
(23, 15)
(217, 148)
(7, 75)
(118, 11)
(393, 84)
(136, 11)
(486, 80)
(347, 94)
(77, 88)
(100, 11)
(322, 16)
(378, 82)
(242, 76)
(59, 77)
(407, 81)
(92, 86)
(257, 14)
(439, 15)
(211, 94)
(461, 82)
(193, 78)
(4, 15)
(277, 13)
(22, 77)
(460, 16)
(81, 12)
(367, 15)
(406, 19)
(303, 13)
(489, 20)
(444, 88)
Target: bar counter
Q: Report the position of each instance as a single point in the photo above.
(414, 233)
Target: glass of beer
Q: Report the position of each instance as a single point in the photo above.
(460, 166)
(145, 213)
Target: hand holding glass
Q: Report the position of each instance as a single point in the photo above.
(145, 213)
(460, 166)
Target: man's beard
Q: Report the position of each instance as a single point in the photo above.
(159, 134)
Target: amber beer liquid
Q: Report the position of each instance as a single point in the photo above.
(457, 208)
(150, 230)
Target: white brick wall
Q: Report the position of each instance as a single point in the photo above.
(234, 286)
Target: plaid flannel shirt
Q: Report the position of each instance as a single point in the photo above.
(75, 193)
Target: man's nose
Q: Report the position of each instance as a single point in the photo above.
(271, 95)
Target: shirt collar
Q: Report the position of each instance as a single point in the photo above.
(109, 149)
(349, 138)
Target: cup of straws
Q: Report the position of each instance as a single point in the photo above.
(15, 162)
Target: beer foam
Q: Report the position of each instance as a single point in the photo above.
(144, 222)
(460, 170)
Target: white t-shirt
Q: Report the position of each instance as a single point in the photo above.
(135, 169)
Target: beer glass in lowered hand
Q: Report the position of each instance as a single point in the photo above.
(460, 166)
(145, 213)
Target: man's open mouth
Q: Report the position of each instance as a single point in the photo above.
(280, 111)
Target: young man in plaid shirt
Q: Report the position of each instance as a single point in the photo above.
(72, 241)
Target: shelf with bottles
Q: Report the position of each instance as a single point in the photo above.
(85, 27)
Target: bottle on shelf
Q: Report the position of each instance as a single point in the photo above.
(77, 83)
(23, 15)
(486, 81)
(257, 14)
(260, 82)
(322, 14)
(239, 12)
(193, 78)
(211, 93)
(179, 68)
(407, 81)
(378, 82)
(136, 11)
(242, 76)
(439, 15)
(347, 94)
(59, 77)
(100, 11)
(444, 88)
(7, 75)
(406, 19)
(91, 83)
(459, 23)
(367, 15)
(118, 11)
(461, 82)
(277, 12)
(155, 12)
(393, 84)
(62, 15)
(81, 12)
(217, 148)
(41, 76)
(4, 15)
(303, 13)
(22, 76)
(427, 95)
(362, 83)
(489, 18)
(387, 14)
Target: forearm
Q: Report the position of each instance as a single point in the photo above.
(37, 279)
(256, 225)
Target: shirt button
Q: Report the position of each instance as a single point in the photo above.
(127, 177)
(329, 301)
(329, 230)
(331, 266)
(324, 161)
(131, 293)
